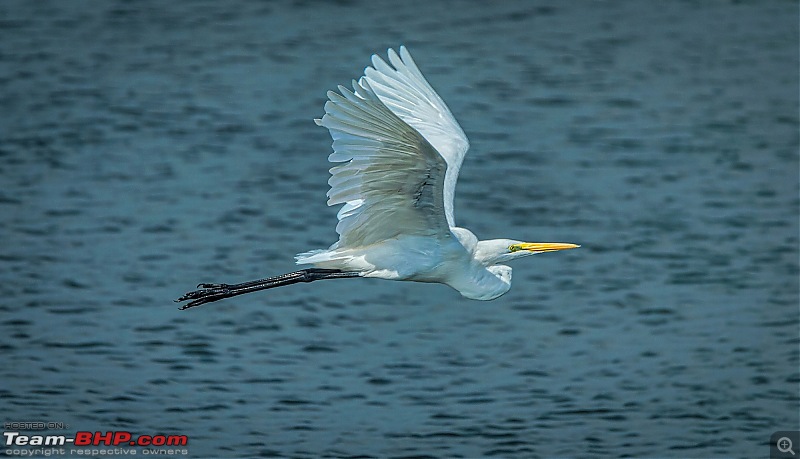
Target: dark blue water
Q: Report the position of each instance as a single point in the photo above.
(148, 146)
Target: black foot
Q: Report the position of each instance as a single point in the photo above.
(213, 285)
(207, 293)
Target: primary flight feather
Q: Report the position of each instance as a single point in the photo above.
(399, 150)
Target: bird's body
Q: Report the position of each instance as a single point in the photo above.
(400, 150)
(449, 260)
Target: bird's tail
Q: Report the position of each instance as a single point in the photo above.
(312, 256)
(324, 258)
(330, 259)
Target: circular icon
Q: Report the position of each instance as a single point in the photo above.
(784, 445)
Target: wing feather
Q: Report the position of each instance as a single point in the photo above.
(391, 178)
(406, 92)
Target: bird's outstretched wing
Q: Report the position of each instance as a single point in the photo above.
(405, 91)
(392, 179)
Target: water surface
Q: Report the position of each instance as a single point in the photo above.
(148, 146)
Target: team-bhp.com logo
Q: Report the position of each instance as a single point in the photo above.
(117, 439)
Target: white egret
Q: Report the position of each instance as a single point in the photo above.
(400, 151)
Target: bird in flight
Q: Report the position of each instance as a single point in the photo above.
(399, 151)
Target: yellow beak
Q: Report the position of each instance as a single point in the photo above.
(539, 247)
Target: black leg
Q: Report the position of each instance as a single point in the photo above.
(215, 292)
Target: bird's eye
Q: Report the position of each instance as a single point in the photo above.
(514, 248)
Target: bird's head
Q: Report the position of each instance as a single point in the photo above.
(496, 251)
